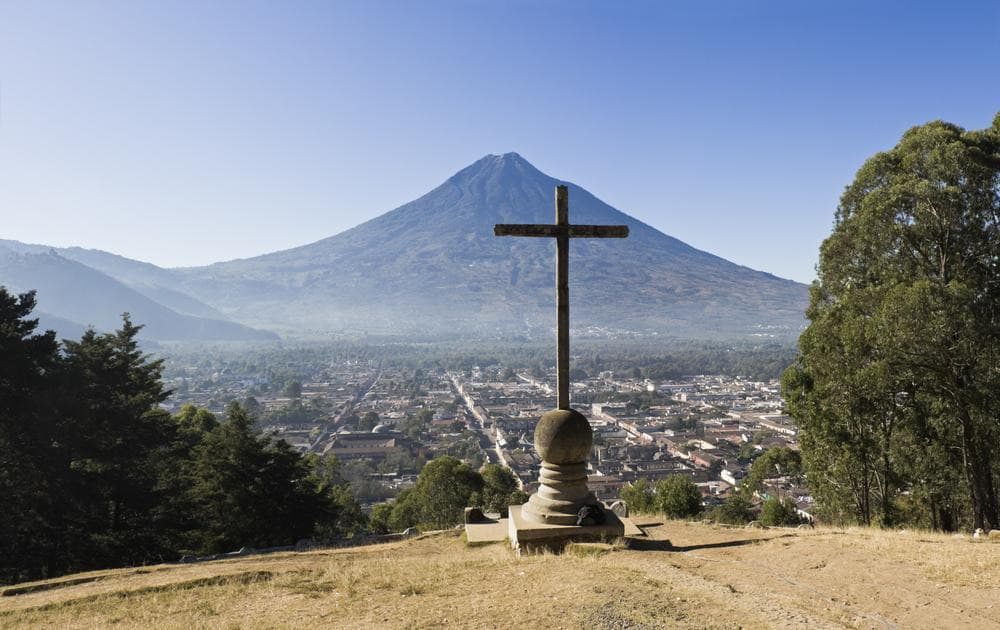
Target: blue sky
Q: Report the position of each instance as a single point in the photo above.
(184, 133)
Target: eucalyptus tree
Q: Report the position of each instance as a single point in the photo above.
(900, 360)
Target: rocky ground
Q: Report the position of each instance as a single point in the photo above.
(685, 575)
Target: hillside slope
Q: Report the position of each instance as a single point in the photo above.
(705, 577)
(72, 296)
(151, 281)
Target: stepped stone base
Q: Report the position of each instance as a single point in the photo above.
(527, 535)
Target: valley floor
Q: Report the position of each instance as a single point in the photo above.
(705, 577)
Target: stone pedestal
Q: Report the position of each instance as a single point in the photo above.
(526, 534)
(562, 491)
(548, 520)
(563, 439)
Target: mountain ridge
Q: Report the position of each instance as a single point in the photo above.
(432, 265)
(73, 296)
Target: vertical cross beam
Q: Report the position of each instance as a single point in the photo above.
(562, 297)
(562, 231)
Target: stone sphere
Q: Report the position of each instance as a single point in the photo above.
(563, 436)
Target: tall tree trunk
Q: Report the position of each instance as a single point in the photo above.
(979, 472)
(884, 485)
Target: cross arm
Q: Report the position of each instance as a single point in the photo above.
(573, 231)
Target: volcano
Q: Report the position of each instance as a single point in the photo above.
(433, 265)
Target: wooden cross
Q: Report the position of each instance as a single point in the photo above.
(562, 231)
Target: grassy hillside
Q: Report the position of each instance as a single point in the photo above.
(704, 577)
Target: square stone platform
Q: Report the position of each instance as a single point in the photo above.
(494, 530)
(486, 532)
(526, 534)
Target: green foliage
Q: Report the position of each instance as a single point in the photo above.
(780, 461)
(326, 473)
(638, 495)
(676, 496)
(93, 473)
(517, 497)
(499, 488)
(737, 510)
(195, 421)
(254, 491)
(444, 488)
(29, 471)
(405, 513)
(358, 475)
(253, 407)
(747, 452)
(115, 444)
(293, 389)
(896, 389)
(295, 412)
(378, 520)
(401, 462)
(779, 513)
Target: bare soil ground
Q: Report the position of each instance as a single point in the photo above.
(704, 577)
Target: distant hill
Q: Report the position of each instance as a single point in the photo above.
(72, 296)
(433, 267)
(145, 278)
(685, 575)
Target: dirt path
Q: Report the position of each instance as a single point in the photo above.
(858, 578)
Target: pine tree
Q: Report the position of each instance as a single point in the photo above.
(252, 491)
(29, 523)
(115, 445)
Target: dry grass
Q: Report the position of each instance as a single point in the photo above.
(707, 577)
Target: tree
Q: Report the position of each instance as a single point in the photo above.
(254, 491)
(904, 331)
(444, 488)
(638, 495)
(195, 422)
(676, 496)
(518, 497)
(29, 477)
(405, 512)
(116, 446)
(293, 389)
(253, 407)
(779, 512)
(499, 489)
(781, 461)
(737, 510)
(348, 517)
(378, 520)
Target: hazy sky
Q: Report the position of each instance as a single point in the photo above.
(183, 133)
